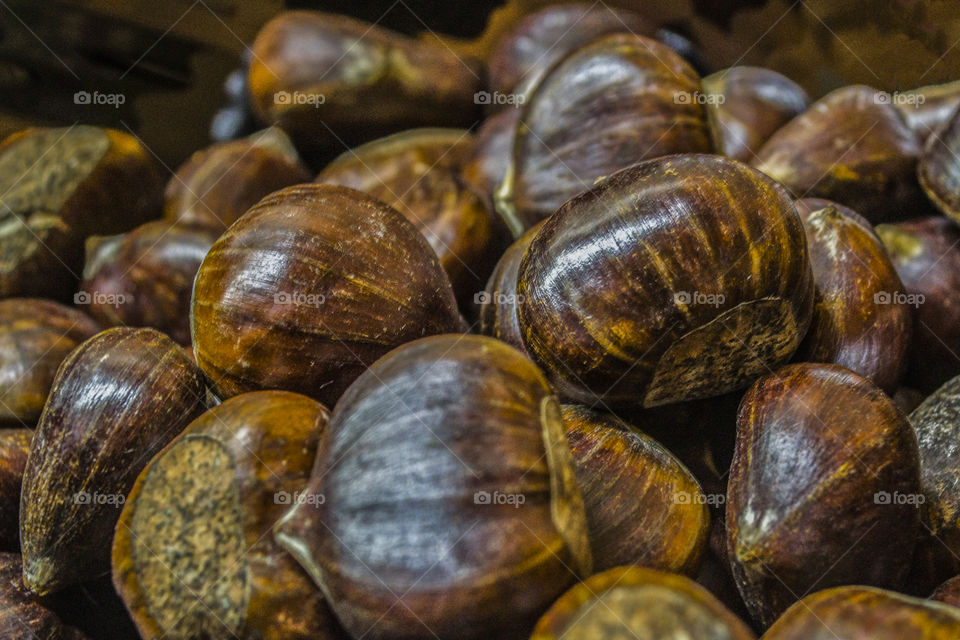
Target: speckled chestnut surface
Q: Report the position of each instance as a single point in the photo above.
(446, 477)
(116, 400)
(823, 488)
(14, 449)
(630, 603)
(364, 280)
(678, 278)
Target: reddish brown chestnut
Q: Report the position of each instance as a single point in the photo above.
(490, 156)
(948, 592)
(24, 615)
(14, 449)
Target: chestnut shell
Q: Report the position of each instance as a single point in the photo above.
(14, 449)
(939, 169)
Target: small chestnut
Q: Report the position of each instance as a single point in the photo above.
(23, 614)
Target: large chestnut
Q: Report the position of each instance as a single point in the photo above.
(618, 100)
(860, 316)
(824, 488)
(309, 288)
(51, 205)
(851, 146)
(446, 480)
(678, 278)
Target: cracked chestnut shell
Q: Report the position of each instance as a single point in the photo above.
(822, 489)
(23, 614)
(145, 278)
(219, 183)
(35, 336)
(631, 603)
(851, 146)
(746, 105)
(859, 320)
(49, 206)
(926, 255)
(678, 278)
(193, 554)
(939, 169)
(311, 286)
(14, 449)
(445, 477)
(864, 613)
(116, 401)
(643, 506)
(614, 102)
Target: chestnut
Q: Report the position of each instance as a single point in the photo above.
(859, 613)
(939, 169)
(851, 146)
(948, 592)
(746, 105)
(14, 449)
(616, 101)
(51, 206)
(116, 400)
(208, 567)
(678, 278)
(860, 318)
(928, 109)
(824, 487)
(641, 604)
(309, 288)
(489, 159)
(35, 336)
(926, 255)
(446, 477)
(643, 507)
(144, 278)
(24, 615)
(219, 183)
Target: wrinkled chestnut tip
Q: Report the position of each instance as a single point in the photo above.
(40, 576)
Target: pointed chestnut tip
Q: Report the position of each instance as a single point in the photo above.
(39, 576)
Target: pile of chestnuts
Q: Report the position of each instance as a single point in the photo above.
(580, 340)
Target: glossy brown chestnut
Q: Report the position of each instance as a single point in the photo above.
(51, 206)
(863, 613)
(417, 173)
(948, 592)
(610, 104)
(928, 109)
(926, 254)
(860, 317)
(218, 184)
(309, 288)
(14, 449)
(116, 401)
(490, 157)
(630, 603)
(851, 146)
(209, 568)
(643, 507)
(939, 169)
(678, 278)
(824, 488)
(330, 79)
(145, 278)
(24, 615)
(446, 477)
(35, 336)
(746, 105)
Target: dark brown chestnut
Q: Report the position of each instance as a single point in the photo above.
(610, 104)
(309, 288)
(116, 401)
(50, 205)
(939, 169)
(861, 319)
(928, 109)
(746, 105)
(446, 477)
(639, 604)
(14, 449)
(926, 255)
(218, 184)
(948, 592)
(490, 156)
(678, 278)
(193, 556)
(144, 278)
(824, 488)
(24, 615)
(35, 336)
(643, 507)
(863, 613)
(851, 146)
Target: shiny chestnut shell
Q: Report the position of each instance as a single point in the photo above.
(446, 477)
(660, 285)
(309, 288)
(823, 487)
(490, 156)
